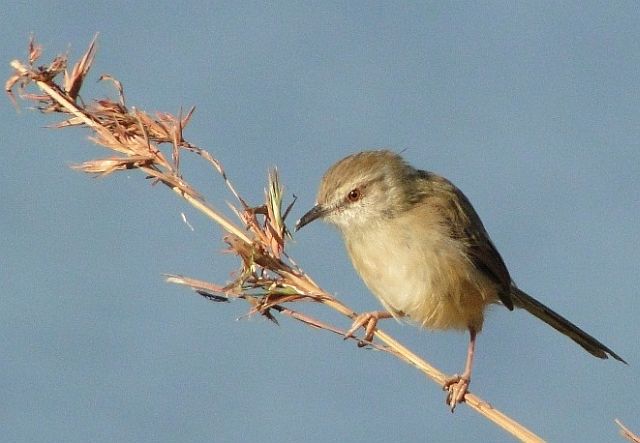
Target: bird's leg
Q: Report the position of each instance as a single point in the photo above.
(458, 385)
(368, 320)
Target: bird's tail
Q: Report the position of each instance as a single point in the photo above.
(523, 300)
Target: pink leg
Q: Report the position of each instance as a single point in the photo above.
(458, 385)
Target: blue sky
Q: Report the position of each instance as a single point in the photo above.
(532, 109)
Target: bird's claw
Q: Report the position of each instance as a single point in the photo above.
(456, 387)
(369, 321)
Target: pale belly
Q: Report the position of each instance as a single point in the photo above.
(429, 280)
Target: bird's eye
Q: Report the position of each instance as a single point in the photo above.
(354, 195)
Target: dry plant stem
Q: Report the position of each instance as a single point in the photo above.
(295, 278)
(626, 432)
(393, 346)
(200, 285)
(213, 215)
(195, 202)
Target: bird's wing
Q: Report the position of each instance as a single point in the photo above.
(482, 251)
(467, 227)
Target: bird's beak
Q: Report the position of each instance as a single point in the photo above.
(317, 211)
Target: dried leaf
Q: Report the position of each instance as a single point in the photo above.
(109, 165)
(212, 297)
(118, 86)
(73, 82)
(35, 50)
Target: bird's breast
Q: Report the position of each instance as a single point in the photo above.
(420, 273)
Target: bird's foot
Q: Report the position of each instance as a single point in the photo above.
(369, 321)
(456, 387)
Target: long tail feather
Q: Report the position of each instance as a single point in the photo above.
(523, 300)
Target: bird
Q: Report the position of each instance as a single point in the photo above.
(420, 247)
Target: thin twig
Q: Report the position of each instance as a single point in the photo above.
(626, 432)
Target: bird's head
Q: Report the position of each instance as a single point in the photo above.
(361, 189)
